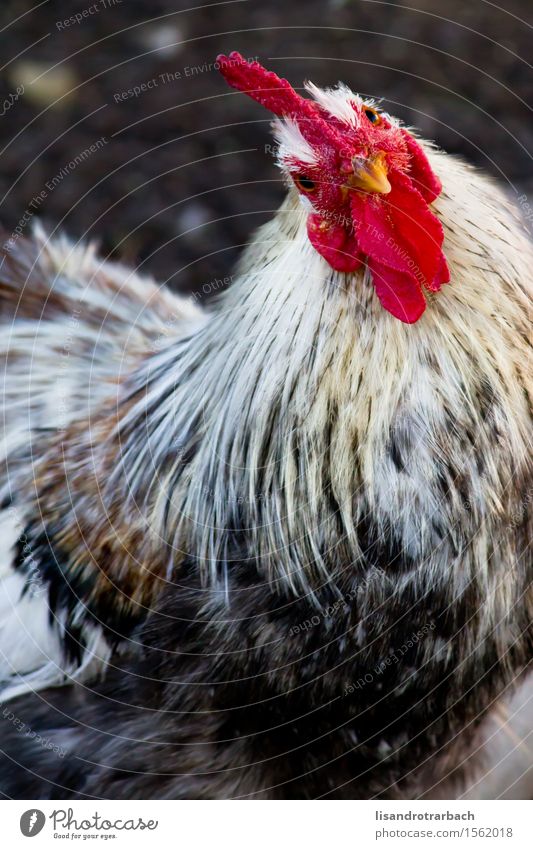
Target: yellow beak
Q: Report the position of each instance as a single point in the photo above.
(370, 174)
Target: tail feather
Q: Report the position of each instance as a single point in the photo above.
(43, 278)
(73, 328)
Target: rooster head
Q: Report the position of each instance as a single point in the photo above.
(366, 183)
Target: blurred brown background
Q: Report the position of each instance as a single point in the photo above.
(182, 176)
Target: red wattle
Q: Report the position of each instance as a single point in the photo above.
(397, 292)
(420, 171)
(418, 230)
(402, 240)
(444, 271)
(334, 242)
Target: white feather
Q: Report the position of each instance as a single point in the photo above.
(293, 147)
(337, 101)
(28, 641)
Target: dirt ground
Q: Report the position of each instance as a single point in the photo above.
(181, 172)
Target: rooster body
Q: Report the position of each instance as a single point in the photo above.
(290, 533)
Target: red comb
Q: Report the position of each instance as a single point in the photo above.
(264, 86)
(277, 95)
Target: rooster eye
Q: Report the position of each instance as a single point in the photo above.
(373, 116)
(305, 183)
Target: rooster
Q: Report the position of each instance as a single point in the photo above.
(277, 548)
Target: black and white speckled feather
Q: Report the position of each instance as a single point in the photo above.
(186, 489)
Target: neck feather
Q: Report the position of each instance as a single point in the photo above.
(266, 433)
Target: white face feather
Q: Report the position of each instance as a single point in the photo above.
(305, 202)
(292, 145)
(337, 102)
